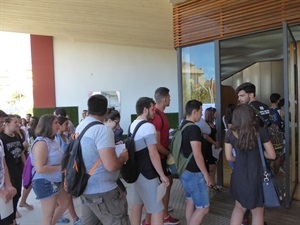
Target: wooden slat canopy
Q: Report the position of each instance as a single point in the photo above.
(201, 21)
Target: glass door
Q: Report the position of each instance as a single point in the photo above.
(291, 115)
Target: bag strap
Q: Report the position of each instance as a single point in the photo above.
(224, 122)
(136, 128)
(95, 166)
(87, 127)
(262, 157)
(79, 138)
(181, 129)
(186, 125)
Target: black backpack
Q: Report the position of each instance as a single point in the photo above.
(74, 173)
(130, 171)
(276, 134)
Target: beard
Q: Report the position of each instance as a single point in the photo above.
(149, 116)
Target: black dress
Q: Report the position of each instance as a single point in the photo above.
(247, 175)
(207, 146)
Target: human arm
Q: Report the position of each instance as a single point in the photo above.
(9, 191)
(40, 154)
(228, 152)
(111, 161)
(212, 141)
(269, 150)
(161, 149)
(199, 159)
(156, 162)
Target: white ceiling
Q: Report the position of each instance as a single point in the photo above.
(144, 23)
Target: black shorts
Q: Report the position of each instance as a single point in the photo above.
(7, 220)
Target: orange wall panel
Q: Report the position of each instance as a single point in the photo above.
(42, 71)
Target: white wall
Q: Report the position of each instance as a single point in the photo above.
(81, 68)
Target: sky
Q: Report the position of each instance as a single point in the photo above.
(203, 56)
(15, 72)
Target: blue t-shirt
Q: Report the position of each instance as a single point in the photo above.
(95, 139)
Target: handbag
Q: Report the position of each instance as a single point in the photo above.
(271, 197)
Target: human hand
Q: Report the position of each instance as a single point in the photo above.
(119, 142)
(124, 155)
(165, 180)
(12, 191)
(207, 178)
(8, 193)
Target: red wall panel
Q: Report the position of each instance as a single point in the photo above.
(42, 71)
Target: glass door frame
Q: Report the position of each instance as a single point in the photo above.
(290, 69)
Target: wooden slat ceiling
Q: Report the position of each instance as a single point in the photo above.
(200, 21)
(144, 23)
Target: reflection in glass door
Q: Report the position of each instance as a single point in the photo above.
(291, 119)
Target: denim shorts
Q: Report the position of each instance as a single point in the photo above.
(195, 188)
(44, 188)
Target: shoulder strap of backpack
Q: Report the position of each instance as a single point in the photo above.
(87, 127)
(186, 125)
(181, 129)
(136, 128)
(79, 138)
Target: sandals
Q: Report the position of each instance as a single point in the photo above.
(27, 206)
(215, 187)
(18, 215)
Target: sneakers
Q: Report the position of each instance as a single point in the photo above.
(171, 220)
(63, 220)
(77, 221)
(170, 209)
(144, 222)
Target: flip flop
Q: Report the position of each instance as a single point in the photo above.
(18, 215)
(27, 206)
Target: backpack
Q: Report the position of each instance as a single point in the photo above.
(27, 173)
(74, 173)
(175, 147)
(275, 133)
(130, 171)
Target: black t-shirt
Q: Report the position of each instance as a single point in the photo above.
(13, 149)
(190, 133)
(263, 111)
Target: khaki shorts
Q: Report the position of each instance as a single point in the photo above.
(105, 208)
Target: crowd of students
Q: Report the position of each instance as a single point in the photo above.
(104, 199)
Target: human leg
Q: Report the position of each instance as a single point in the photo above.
(237, 214)
(198, 216)
(258, 216)
(48, 208)
(197, 196)
(63, 200)
(157, 218)
(71, 209)
(136, 214)
(189, 210)
(212, 172)
(24, 197)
